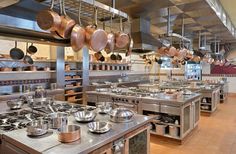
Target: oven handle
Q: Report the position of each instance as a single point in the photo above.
(125, 105)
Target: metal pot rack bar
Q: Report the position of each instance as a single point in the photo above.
(87, 10)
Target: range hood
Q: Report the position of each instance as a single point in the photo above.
(143, 40)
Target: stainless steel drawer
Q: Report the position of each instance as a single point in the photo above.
(151, 107)
(92, 98)
(103, 99)
(170, 110)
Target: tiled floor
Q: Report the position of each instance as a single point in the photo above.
(215, 135)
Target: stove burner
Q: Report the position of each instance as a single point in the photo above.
(11, 120)
(12, 114)
(3, 116)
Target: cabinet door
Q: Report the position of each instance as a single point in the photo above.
(138, 142)
(196, 113)
(186, 119)
(106, 149)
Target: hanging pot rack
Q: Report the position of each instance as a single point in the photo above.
(87, 10)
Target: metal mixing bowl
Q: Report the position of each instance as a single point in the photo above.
(15, 104)
(99, 127)
(104, 107)
(37, 127)
(85, 116)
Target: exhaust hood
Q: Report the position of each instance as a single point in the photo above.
(143, 40)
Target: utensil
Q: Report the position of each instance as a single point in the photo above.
(37, 127)
(104, 107)
(48, 19)
(95, 38)
(84, 116)
(15, 104)
(67, 23)
(121, 115)
(98, 55)
(27, 58)
(113, 56)
(16, 53)
(122, 39)
(99, 127)
(118, 57)
(32, 49)
(78, 34)
(69, 133)
(57, 119)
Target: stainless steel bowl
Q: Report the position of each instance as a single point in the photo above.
(99, 127)
(57, 119)
(104, 107)
(37, 127)
(85, 116)
(15, 104)
(69, 133)
(121, 115)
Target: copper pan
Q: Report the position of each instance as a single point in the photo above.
(161, 51)
(77, 39)
(48, 19)
(111, 39)
(95, 38)
(171, 52)
(67, 23)
(122, 39)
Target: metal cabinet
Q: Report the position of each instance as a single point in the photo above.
(154, 107)
(186, 120)
(170, 109)
(8, 148)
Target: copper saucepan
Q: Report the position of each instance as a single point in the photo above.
(67, 23)
(122, 39)
(77, 35)
(48, 19)
(95, 38)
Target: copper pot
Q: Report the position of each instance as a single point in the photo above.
(95, 38)
(78, 35)
(67, 23)
(122, 39)
(111, 40)
(48, 19)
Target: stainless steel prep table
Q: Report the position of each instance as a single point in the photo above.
(49, 144)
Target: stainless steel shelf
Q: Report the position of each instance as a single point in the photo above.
(73, 94)
(74, 87)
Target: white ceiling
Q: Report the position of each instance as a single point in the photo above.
(229, 6)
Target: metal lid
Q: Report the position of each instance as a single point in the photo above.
(121, 112)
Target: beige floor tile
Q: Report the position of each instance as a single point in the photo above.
(215, 135)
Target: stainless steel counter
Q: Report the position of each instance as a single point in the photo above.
(179, 101)
(50, 145)
(17, 95)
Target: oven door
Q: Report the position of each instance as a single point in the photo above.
(130, 106)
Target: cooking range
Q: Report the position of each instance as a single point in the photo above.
(19, 119)
(128, 100)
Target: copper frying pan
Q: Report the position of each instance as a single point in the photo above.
(77, 39)
(95, 38)
(48, 19)
(122, 39)
(67, 23)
